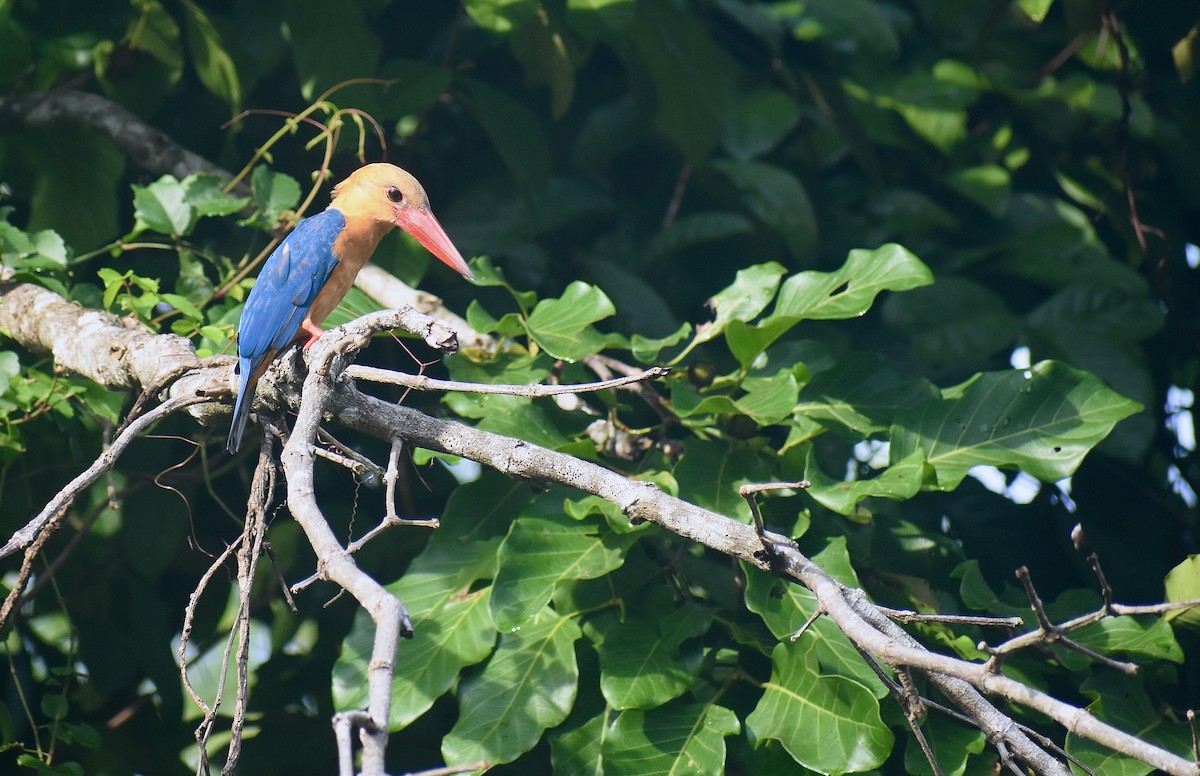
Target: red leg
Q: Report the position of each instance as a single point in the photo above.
(314, 332)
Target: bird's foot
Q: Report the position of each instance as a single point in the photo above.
(314, 333)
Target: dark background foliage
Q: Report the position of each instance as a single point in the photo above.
(1046, 170)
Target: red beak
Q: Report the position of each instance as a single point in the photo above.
(421, 224)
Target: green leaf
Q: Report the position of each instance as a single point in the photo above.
(162, 207)
(857, 28)
(1035, 9)
(527, 687)
(579, 751)
(763, 118)
(769, 400)
(799, 700)
(562, 327)
(642, 663)
(850, 291)
(711, 473)
(501, 16)
(204, 192)
(1122, 702)
(1183, 584)
(213, 63)
(1043, 420)
(900, 481)
(785, 607)
(417, 86)
(539, 553)
(988, 186)
(513, 130)
(845, 293)
(646, 350)
(1137, 638)
(777, 199)
(752, 290)
(10, 367)
(274, 193)
(697, 229)
(671, 740)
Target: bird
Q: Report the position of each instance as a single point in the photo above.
(309, 273)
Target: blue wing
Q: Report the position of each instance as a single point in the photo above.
(278, 303)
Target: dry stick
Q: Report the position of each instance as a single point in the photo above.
(450, 770)
(423, 383)
(62, 500)
(31, 553)
(189, 617)
(907, 615)
(1051, 634)
(262, 490)
(334, 563)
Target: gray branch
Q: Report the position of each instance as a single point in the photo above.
(146, 146)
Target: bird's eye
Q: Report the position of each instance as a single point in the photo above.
(395, 194)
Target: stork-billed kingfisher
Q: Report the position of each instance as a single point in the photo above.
(307, 276)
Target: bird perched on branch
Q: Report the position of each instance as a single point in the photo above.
(306, 277)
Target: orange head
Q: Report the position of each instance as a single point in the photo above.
(389, 196)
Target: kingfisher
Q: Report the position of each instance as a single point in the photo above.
(307, 276)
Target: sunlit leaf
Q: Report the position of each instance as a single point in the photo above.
(527, 686)
(670, 740)
(536, 555)
(1043, 420)
(799, 700)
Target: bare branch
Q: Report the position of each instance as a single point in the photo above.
(144, 145)
(104, 463)
(423, 383)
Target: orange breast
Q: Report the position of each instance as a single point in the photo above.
(352, 249)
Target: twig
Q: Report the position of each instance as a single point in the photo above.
(748, 492)
(450, 770)
(63, 499)
(907, 615)
(423, 383)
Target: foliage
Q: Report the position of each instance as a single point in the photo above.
(937, 258)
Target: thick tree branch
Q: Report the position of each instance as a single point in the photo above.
(146, 146)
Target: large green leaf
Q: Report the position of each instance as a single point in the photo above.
(642, 665)
(709, 475)
(830, 724)
(212, 61)
(1042, 420)
(527, 687)
(452, 630)
(539, 553)
(954, 321)
(672, 740)
(845, 293)
(162, 206)
(563, 326)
